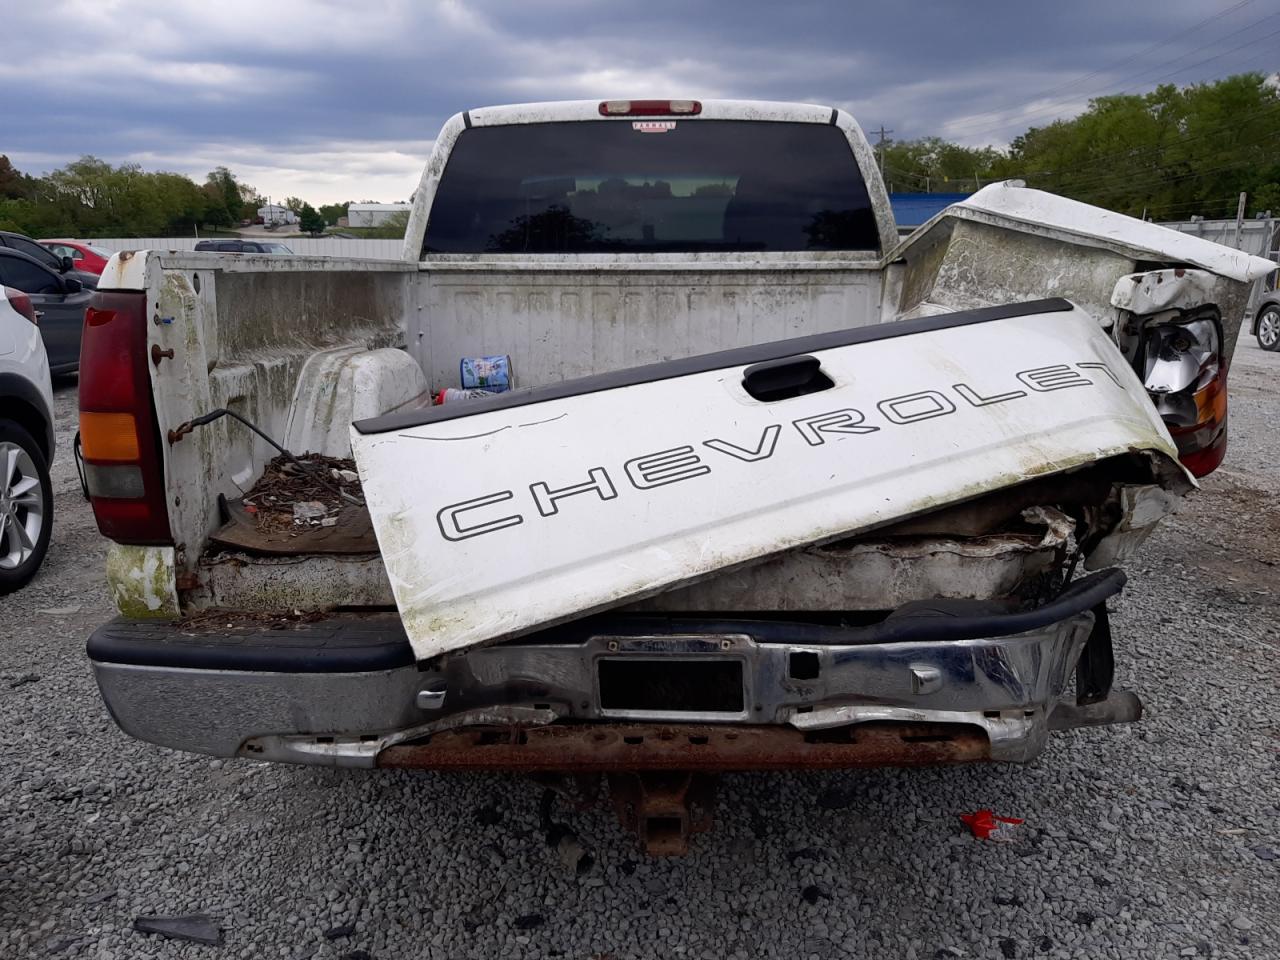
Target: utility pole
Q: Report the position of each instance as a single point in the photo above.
(1240, 219)
(880, 147)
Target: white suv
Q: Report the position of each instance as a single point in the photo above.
(26, 442)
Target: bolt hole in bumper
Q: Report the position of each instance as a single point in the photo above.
(945, 682)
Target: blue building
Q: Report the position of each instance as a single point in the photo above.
(912, 209)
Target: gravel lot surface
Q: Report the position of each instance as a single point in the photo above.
(1156, 840)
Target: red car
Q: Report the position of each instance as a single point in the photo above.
(85, 256)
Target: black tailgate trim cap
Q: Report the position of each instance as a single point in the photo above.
(684, 366)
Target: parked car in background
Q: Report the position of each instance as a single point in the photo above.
(59, 301)
(58, 264)
(26, 441)
(242, 246)
(1266, 321)
(84, 256)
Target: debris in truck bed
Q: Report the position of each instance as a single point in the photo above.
(287, 496)
(307, 510)
(317, 508)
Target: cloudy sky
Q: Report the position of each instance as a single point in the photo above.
(336, 101)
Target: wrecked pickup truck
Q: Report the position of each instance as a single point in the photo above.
(776, 489)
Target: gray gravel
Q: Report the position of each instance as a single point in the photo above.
(1158, 840)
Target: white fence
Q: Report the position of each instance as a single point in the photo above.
(308, 246)
(1258, 237)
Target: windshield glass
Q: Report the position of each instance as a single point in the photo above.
(98, 251)
(275, 248)
(651, 186)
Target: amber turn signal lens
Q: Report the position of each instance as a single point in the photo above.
(108, 436)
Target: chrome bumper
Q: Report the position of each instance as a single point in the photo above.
(1010, 688)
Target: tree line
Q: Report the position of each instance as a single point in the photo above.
(1168, 155)
(93, 198)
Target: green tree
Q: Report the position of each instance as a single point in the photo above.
(932, 165)
(310, 220)
(1172, 153)
(1266, 197)
(216, 213)
(225, 199)
(14, 185)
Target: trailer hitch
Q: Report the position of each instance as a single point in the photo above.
(664, 809)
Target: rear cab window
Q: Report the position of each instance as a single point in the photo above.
(682, 186)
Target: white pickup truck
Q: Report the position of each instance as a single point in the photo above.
(776, 488)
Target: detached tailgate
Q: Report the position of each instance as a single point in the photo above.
(501, 515)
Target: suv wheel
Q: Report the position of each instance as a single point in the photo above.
(1269, 328)
(26, 506)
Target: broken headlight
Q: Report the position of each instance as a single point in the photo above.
(1185, 374)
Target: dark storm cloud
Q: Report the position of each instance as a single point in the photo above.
(326, 97)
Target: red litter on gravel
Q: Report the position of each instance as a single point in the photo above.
(987, 826)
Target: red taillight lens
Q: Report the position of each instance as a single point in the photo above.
(1186, 374)
(21, 302)
(119, 438)
(1202, 446)
(650, 108)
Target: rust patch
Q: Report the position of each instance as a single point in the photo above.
(705, 748)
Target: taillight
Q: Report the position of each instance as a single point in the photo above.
(1185, 373)
(119, 438)
(650, 108)
(21, 302)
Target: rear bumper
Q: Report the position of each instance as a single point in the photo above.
(918, 688)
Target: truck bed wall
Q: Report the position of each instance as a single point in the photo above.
(243, 331)
(564, 318)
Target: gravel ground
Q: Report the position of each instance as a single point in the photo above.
(1157, 840)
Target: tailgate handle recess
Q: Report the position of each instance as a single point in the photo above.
(785, 378)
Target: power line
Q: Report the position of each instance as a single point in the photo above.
(1137, 78)
(880, 147)
(1132, 90)
(1117, 187)
(1139, 151)
(1088, 76)
(1129, 174)
(1193, 203)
